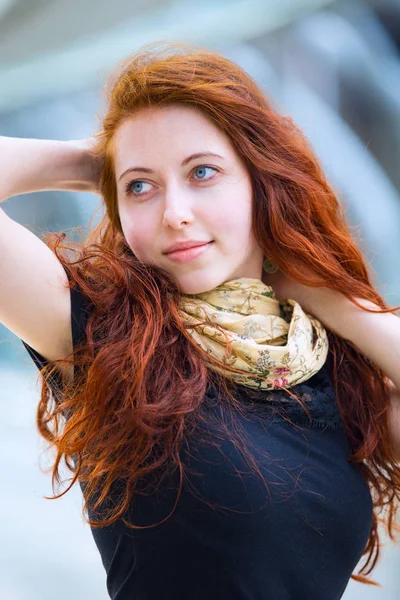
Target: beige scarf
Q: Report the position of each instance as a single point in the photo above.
(275, 343)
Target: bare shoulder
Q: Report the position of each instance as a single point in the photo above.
(35, 299)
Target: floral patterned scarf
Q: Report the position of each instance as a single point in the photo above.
(275, 343)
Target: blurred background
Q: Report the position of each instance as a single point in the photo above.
(333, 66)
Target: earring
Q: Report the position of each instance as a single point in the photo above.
(269, 266)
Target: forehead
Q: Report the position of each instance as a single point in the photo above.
(167, 132)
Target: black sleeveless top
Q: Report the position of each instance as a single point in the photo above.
(229, 537)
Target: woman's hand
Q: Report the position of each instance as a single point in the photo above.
(91, 166)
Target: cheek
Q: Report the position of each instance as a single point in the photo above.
(234, 220)
(139, 239)
(234, 214)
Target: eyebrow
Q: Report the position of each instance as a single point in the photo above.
(184, 162)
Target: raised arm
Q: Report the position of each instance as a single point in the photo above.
(31, 165)
(376, 335)
(34, 294)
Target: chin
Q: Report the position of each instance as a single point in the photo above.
(195, 283)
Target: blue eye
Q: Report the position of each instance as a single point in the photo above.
(131, 187)
(203, 168)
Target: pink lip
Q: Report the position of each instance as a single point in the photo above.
(182, 256)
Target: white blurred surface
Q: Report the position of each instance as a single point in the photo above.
(47, 550)
(68, 46)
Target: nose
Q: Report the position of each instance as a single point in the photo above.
(177, 211)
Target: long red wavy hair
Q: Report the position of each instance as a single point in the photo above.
(140, 377)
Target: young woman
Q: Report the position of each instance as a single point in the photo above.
(220, 375)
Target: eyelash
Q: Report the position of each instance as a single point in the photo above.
(128, 186)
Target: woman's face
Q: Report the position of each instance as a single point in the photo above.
(171, 195)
